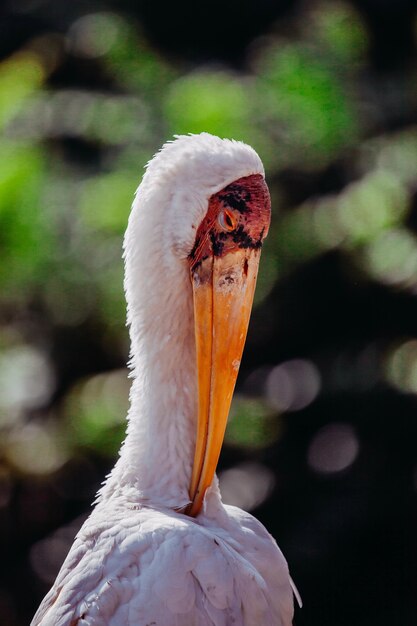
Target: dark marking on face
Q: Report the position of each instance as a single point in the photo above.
(245, 267)
(236, 197)
(244, 240)
(216, 244)
(195, 246)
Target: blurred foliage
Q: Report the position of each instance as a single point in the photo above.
(341, 161)
(96, 410)
(251, 424)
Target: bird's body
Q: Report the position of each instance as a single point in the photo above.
(142, 566)
(160, 548)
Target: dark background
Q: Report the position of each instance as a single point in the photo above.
(321, 442)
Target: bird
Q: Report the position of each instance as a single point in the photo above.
(160, 548)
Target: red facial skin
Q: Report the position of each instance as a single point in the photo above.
(238, 216)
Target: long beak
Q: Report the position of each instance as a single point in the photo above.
(223, 290)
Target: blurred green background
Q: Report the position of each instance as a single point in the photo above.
(321, 443)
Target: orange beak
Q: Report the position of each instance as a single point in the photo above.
(223, 288)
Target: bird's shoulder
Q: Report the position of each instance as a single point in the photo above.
(114, 547)
(258, 549)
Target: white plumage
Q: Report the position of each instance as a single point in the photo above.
(138, 560)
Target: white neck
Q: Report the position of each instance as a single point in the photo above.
(157, 455)
(156, 458)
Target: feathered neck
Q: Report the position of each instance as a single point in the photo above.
(156, 457)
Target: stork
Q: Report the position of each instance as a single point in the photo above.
(160, 548)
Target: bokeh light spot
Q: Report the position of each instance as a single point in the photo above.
(251, 423)
(392, 257)
(26, 381)
(20, 76)
(326, 225)
(339, 26)
(333, 448)
(401, 366)
(96, 411)
(367, 207)
(246, 485)
(293, 385)
(93, 35)
(35, 449)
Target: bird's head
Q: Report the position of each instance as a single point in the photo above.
(208, 206)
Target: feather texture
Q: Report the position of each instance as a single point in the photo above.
(144, 566)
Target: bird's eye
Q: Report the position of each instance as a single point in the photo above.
(226, 220)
